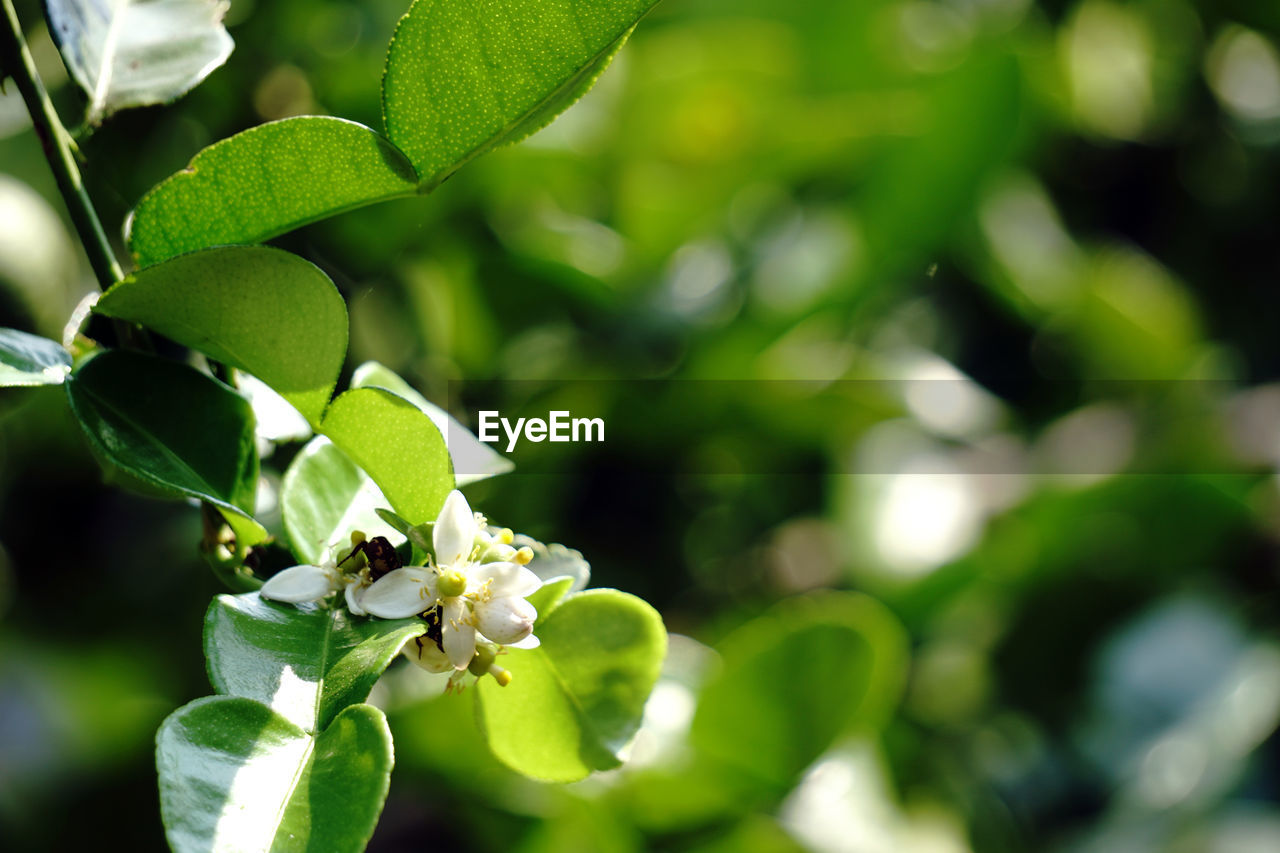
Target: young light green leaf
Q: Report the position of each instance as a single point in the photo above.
(131, 53)
(465, 76)
(397, 445)
(27, 359)
(265, 181)
(324, 497)
(267, 312)
(235, 775)
(248, 531)
(169, 426)
(306, 663)
(473, 460)
(807, 671)
(575, 701)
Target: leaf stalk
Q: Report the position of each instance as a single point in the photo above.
(16, 62)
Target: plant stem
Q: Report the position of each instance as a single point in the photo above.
(15, 60)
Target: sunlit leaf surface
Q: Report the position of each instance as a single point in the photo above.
(306, 663)
(473, 460)
(397, 445)
(266, 181)
(235, 775)
(575, 702)
(267, 312)
(325, 496)
(465, 76)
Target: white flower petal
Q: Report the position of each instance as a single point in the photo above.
(298, 584)
(457, 635)
(426, 654)
(508, 579)
(399, 594)
(529, 642)
(505, 620)
(455, 530)
(355, 592)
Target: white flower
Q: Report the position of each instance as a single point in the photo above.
(473, 597)
(299, 584)
(357, 585)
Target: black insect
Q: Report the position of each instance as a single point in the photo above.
(432, 618)
(379, 553)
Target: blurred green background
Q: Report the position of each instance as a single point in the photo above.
(1054, 227)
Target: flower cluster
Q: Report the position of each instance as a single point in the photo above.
(471, 592)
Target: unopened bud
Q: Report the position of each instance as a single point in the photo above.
(483, 659)
(496, 552)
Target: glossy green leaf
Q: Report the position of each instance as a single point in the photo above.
(169, 426)
(27, 359)
(267, 312)
(465, 76)
(324, 497)
(397, 445)
(235, 775)
(266, 181)
(472, 459)
(131, 53)
(806, 672)
(575, 701)
(307, 663)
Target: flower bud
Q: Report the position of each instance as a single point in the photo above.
(484, 658)
(496, 552)
(506, 620)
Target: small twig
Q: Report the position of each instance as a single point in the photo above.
(17, 63)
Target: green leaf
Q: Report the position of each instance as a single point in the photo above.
(324, 497)
(806, 672)
(575, 701)
(267, 312)
(306, 663)
(27, 359)
(266, 181)
(397, 445)
(248, 531)
(466, 76)
(130, 53)
(169, 426)
(473, 460)
(235, 775)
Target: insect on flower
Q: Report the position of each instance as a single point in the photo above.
(379, 553)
